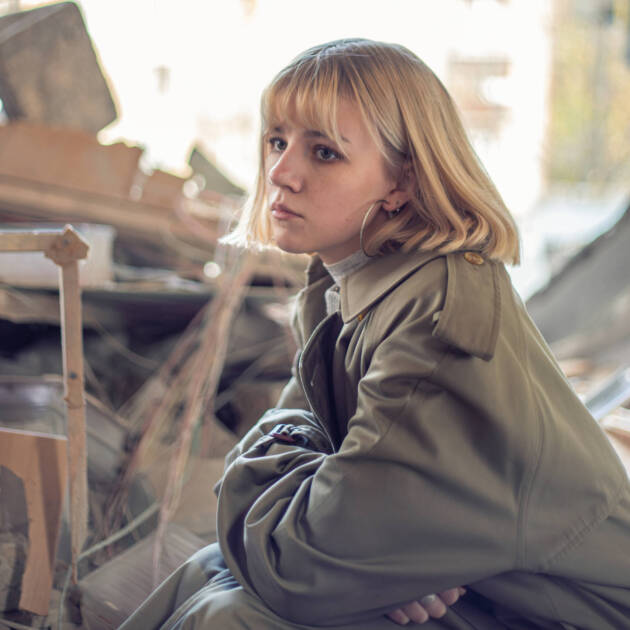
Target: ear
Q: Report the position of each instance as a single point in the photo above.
(402, 192)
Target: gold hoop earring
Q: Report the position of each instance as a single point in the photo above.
(365, 218)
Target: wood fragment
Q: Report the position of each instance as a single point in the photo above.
(71, 339)
(202, 389)
(40, 461)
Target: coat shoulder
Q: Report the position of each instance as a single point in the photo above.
(460, 293)
(471, 317)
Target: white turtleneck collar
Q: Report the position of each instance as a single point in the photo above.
(346, 266)
(339, 270)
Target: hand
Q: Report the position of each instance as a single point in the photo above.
(429, 606)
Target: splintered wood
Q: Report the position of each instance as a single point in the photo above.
(203, 387)
(180, 396)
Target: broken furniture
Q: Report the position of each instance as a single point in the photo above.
(36, 404)
(65, 248)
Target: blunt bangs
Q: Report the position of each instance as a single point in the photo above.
(307, 95)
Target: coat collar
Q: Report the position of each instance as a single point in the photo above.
(377, 278)
(471, 315)
(370, 283)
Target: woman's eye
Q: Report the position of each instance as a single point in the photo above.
(277, 144)
(325, 154)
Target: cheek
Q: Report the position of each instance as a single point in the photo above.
(351, 196)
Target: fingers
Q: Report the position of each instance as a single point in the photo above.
(399, 617)
(417, 612)
(433, 605)
(429, 606)
(450, 596)
(413, 612)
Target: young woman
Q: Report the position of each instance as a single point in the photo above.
(427, 440)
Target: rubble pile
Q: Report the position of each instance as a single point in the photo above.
(149, 284)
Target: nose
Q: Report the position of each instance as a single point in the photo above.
(286, 171)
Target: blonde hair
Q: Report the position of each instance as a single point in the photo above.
(414, 122)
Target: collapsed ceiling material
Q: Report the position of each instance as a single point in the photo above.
(49, 71)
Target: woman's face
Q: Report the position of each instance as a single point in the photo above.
(319, 192)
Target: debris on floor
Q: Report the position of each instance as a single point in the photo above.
(113, 591)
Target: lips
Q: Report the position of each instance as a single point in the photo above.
(281, 212)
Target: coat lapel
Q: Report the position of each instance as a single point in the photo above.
(315, 370)
(377, 278)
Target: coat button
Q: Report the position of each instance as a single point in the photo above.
(474, 258)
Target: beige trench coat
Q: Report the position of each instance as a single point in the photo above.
(447, 449)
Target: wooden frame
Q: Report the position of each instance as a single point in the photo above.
(65, 247)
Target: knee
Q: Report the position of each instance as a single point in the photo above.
(209, 559)
(197, 571)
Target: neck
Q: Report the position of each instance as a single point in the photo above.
(346, 266)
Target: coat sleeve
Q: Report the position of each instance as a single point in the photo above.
(291, 408)
(407, 506)
(292, 397)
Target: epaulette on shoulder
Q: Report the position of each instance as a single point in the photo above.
(471, 315)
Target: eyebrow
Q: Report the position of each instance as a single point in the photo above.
(311, 133)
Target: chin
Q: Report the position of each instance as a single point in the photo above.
(292, 250)
(289, 247)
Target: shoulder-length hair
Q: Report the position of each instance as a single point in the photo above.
(414, 121)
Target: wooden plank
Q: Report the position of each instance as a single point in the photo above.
(72, 343)
(62, 204)
(27, 241)
(117, 588)
(40, 461)
(31, 151)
